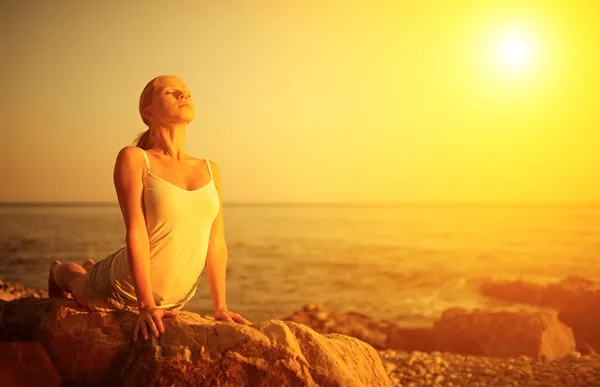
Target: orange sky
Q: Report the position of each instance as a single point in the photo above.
(311, 101)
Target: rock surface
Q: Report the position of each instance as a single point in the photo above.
(365, 328)
(503, 334)
(96, 349)
(475, 332)
(576, 299)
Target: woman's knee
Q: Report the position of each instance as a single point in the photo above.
(67, 272)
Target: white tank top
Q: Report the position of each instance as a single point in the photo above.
(178, 223)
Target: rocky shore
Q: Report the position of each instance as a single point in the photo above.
(13, 291)
(462, 348)
(576, 301)
(469, 348)
(446, 369)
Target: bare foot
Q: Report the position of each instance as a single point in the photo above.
(88, 263)
(53, 289)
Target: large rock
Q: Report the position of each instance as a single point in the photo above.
(26, 364)
(503, 334)
(96, 349)
(381, 334)
(576, 299)
(478, 332)
(353, 324)
(585, 321)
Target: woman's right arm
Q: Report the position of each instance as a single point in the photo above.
(127, 178)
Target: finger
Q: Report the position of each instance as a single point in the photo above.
(136, 331)
(169, 314)
(144, 330)
(159, 324)
(245, 321)
(240, 319)
(152, 326)
(224, 318)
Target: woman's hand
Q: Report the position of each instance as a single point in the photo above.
(150, 319)
(226, 315)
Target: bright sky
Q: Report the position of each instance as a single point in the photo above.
(311, 101)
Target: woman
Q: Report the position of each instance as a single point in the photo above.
(172, 209)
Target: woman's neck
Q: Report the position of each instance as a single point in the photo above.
(170, 141)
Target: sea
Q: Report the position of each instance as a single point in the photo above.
(404, 263)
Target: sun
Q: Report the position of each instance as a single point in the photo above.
(515, 51)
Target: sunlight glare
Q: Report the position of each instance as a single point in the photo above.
(515, 51)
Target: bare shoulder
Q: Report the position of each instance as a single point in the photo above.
(129, 155)
(215, 168)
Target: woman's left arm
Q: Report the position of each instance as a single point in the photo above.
(216, 260)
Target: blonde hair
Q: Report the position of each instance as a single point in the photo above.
(144, 139)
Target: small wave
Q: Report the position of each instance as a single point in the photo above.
(13, 245)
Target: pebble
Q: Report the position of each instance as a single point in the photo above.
(446, 369)
(10, 291)
(322, 315)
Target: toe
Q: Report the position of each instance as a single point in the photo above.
(88, 263)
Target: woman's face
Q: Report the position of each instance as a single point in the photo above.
(171, 102)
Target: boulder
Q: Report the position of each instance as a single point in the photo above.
(96, 348)
(585, 322)
(576, 299)
(503, 334)
(26, 364)
(381, 334)
(353, 324)
(478, 332)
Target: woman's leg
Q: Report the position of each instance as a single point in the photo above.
(65, 278)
